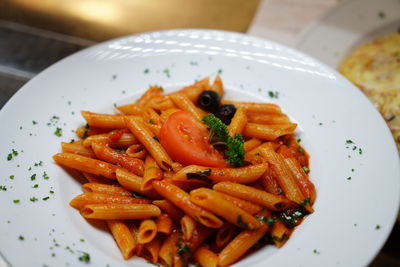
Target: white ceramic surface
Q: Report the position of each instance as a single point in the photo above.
(353, 216)
(347, 26)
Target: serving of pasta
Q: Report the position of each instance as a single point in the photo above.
(188, 177)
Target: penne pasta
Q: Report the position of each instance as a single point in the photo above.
(105, 189)
(164, 223)
(268, 132)
(123, 237)
(182, 200)
(262, 108)
(120, 211)
(81, 200)
(77, 148)
(109, 155)
(238, 123)
(187, 226)
(104, 120)
(270, 201)
(147, 231)
(133, 183)
(241, 175)
(184, 103)
(206, 257)
(151, 172)
(173, 211)
(144, 135)
(225, 234)
(214, 202)
(86, 164)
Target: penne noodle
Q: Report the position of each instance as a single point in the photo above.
(108, 154)
(130, 109)
(151, 250)
(243, 175)
(215, 203)
(240, 245)
(147, 231)
(270, 201)
(256, 117)
(161, 103)
(173, 211)
(136, 151)
(268, 132)
(193, 91)
(120, 211)
(238, 122)
(97, 179)
(187, 227)
(105, 189)
(123, 237)
(86, 164)
(133, 183)
(168, 248)
(164, 223)
(255, 107)
(107, 121)
(251, 144)
(218, 86)
(184, 103)
(151, 172)
(145, 137)
(81, 200)
(152, 92)
(85, 131)
(284, 176)
(269, 183)
(200, 233)
(243, 204)
(125, 140)
(225, 234)
(280, 233)
(206, 257)
(182, 200)
(77, 148)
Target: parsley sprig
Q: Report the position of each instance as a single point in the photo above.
(219, 135)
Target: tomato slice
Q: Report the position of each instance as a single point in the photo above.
(187, 141)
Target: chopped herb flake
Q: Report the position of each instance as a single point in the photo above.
(21, 238)
(240, 222)
(305, 169)
(381, 14)
(12, 177)
(200, 175)
(16, 201)
(45, 198)
(34, 122)
(3, 187)
(58, 132)
(33, 199)
(272, 94)
(35, 186)
(377, 227)
(45, 176)
(305, 202)
(146, 71)
(85, 257)
(33, 177)
(316, 252)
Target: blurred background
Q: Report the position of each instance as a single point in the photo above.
(35, 34)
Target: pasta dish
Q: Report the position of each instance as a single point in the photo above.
(191, 178)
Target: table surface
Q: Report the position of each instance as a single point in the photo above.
(282, 21)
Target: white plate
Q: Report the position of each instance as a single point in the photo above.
(347, 26)
(329, 110)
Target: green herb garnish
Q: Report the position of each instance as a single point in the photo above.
(58, 132)
(219, 135)
(85, 257)
(240, 222)
(305, 202)
(272, 94)
(3, 187)
(200, 175)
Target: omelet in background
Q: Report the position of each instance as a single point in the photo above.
(375, 69)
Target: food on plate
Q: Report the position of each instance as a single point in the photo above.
(375, 68)
(187, 177)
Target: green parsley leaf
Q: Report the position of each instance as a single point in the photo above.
(58, 132)
(45, 176)
(21, 238)
(200, 175)
(240, 222)
(272, 94)
(305, 202)
(3, 187)
(33, 177)
(16, 201)
(85, 257)
(305, 169)
(33, 199)
(219, 135)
